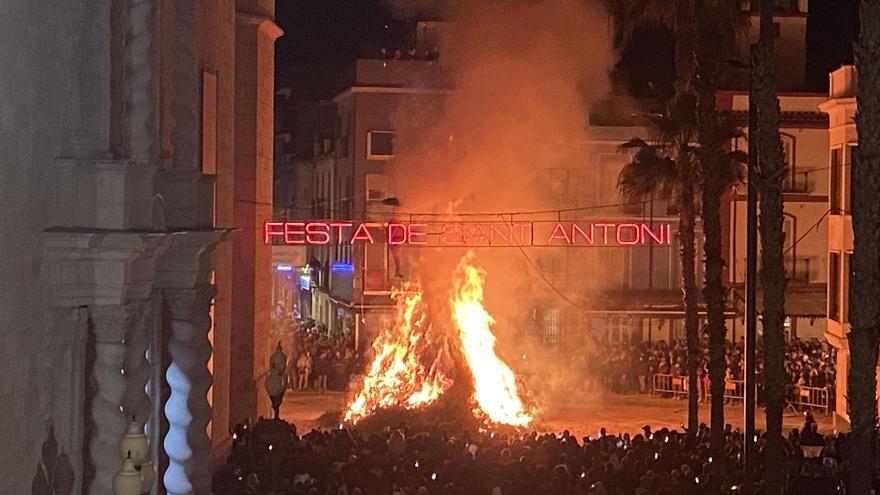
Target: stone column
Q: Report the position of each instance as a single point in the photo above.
(136, 402)
(108, 423)
(188, 411)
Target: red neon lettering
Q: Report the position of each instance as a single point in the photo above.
(575, 230)
(338, 226)
(605, 233)
(362, 234)
(317, 233)
(269, 230)
(412, 233)
(478, 228)
(522, 231)
(635, 229)
(647, 233)
(396, 234)
(668, 233)
(559, 233)
(292, 229)
(451, 228)
(495, 230)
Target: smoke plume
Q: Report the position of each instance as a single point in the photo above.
(522, 77)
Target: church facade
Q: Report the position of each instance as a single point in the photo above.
(135, 165)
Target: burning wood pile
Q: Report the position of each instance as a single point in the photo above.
(416, 363)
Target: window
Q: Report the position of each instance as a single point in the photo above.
(375, 267)
(375, 187)
(834, 192)
(794, 182)
(380, 145)
(847, 273)
(552, 331)
(851, 152)
(834, 286)
(557, 181)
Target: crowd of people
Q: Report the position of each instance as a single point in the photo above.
(626, 366)
(342, 461)
(320, 361)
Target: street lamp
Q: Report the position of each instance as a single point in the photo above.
(275, 379)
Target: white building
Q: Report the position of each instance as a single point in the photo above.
(842, 140)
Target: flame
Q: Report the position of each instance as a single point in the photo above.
(495, 388)
(406, 370)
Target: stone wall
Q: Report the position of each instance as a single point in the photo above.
(40, 109)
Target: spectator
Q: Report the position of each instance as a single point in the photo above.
(304, 369)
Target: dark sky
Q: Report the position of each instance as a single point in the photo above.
(322, 37)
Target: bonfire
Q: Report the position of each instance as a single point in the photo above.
(416, 364)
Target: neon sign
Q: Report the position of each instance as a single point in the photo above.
(470, 234)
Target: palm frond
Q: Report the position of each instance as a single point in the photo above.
(634, 143)
(647, 174)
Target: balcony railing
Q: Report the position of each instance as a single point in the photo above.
(798, 269)
(798, 182)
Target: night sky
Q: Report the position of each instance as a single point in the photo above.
(315, 57)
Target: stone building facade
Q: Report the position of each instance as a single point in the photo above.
(135, 163)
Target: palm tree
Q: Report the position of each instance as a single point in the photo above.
(865, 286)
(706, 33)
(713, 18)
(667, 169)
(769, 183)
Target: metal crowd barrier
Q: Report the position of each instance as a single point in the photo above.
(806, 397)
(813, 398)
(667, 384)
(734, 389)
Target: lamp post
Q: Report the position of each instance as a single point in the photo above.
(275, 379)
(751, 336)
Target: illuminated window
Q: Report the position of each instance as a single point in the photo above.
(380, 145)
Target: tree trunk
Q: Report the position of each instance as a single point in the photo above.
(689, 291)
(713, 184)
(865, 287)
(770, 176)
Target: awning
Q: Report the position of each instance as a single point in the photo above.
(643, 303)
(801, 300)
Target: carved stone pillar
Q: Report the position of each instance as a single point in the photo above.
(136, 402)
(139, 67)
(109, 326)
(188, 411)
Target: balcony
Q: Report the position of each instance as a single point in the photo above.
(797, 183)
(799, 269)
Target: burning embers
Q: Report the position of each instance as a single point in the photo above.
(410, 368)
(407, 370)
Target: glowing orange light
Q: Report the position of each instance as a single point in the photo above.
(407, 368)
(495, 388)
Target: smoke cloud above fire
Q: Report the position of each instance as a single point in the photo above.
(521, 77)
